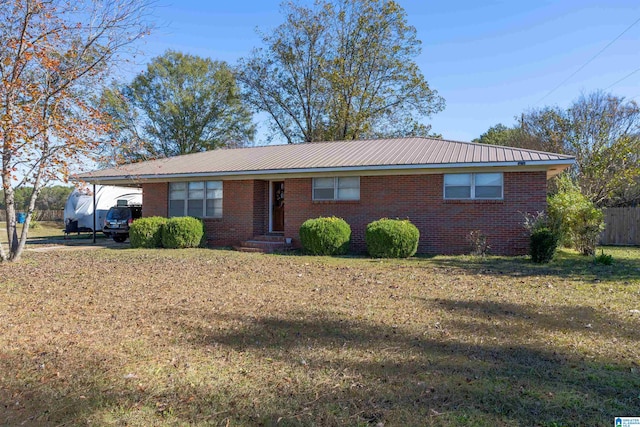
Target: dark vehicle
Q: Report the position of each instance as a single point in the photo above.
(118, 221)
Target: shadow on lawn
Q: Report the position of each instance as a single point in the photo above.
(404, 379)
(39, 396)
(347, 373)
(520, 320)
(566, 265)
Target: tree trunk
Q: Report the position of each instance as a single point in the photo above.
(11, 226)
(37, 187)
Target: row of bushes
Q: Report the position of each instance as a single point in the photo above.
(385, 238)
(171, 233)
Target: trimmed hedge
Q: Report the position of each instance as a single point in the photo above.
(182, 232)
(147, 232)
(325, 236)
(543, 245)
(392, 238)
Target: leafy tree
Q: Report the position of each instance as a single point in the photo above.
(181, 104)
(53, 197)
(53, 55)
(125, 127)
(601, 130)
(341, 69)
(580, 220)
(498, 135)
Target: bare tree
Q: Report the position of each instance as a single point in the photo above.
(601, 130)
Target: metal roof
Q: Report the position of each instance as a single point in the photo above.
(397, 154)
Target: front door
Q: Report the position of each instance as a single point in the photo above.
(277, 206)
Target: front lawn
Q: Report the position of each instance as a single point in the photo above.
(212, 337)
(49, 232)
(40, 230)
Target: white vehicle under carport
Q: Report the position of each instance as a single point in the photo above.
(78, 210)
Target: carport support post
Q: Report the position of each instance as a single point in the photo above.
(94, 213)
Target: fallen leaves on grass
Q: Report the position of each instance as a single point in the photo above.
(214, 337)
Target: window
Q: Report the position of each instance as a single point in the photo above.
(198, 199)
(337, 188)
(473, 186)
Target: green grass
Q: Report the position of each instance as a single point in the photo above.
(212, 337)
(46, 230)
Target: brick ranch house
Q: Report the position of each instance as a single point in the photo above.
(446, 188)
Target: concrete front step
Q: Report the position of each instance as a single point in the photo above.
(265, 244)
(269, 238)
(240, 248)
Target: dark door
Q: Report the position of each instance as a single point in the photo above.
(277, 206)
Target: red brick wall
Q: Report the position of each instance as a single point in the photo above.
(236, 223)
(244, 210)
(155, 199)
(444, 224)
(260, 207)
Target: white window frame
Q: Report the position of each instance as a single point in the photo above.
(336, 183)
(473, 186)
(204, 199)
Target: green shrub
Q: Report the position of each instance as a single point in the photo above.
(182, 232)
(392, 238)
(604, 259)
(147, 232)
(325, 236)
(543, 245)
(580, 220)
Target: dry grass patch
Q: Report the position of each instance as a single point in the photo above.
(204, 337)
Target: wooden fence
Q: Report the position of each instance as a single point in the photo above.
(48, 215)
(622, 226)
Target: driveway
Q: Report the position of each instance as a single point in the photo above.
(73, 244)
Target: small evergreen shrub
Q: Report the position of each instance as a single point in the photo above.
(325, 236)
(182, 232)
(543, 245)
(604, 259)
(147, 232)
(392, 238)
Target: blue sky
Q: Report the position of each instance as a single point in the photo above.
(490, 60)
